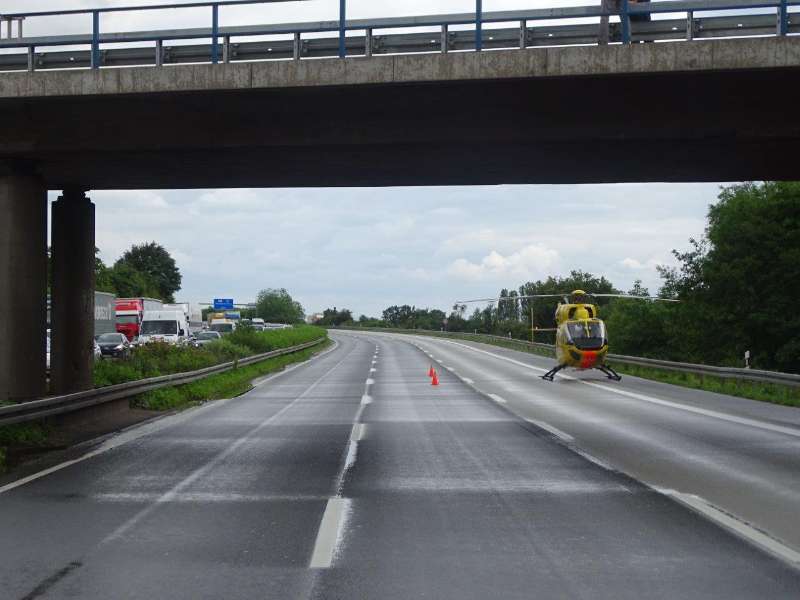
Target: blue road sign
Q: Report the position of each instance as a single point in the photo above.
(223, 303)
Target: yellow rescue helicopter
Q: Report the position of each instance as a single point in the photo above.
(581, 336)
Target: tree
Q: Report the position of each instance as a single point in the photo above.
(126, 282)
(544, 309)
(277, 306)
(738, 285)
(157, 265)
(335, 318)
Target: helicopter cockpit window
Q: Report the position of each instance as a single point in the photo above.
(587, 335)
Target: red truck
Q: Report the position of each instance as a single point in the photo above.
(130, 312)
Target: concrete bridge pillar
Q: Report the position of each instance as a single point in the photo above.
(72, 302)
(23, 285)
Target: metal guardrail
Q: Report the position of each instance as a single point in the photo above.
(55, 405)
(754, 375)
(525, 33)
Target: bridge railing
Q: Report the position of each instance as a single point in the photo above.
(703, 19)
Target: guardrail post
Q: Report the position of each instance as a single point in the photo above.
(625, 19)
(95, 62)
(368, 43)
(689, 25)
(297, 46)
(478, 25)
(214, 33)
(342, 28)
(783, 18)
(159, 53)
(523, 34)
(31, 59)
(445, 38)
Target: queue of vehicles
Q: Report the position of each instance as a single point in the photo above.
(124, 323)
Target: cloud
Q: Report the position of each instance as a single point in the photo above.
(637, 265)
(534, 260)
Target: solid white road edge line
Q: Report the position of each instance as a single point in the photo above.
(329, 534)
(650, 399)
(496, 398)
(358, 432)
(554, 430)
(738, 527)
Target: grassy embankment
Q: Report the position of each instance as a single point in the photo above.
(160, 359)
(763, 392)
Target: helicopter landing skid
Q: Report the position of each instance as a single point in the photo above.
(549, 375)
(610, 373)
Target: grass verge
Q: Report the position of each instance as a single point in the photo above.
(785, 395)
(763, 392)
(224, 385)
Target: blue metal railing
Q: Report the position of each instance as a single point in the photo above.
(478, 19)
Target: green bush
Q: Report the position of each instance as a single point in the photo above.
(223, 385)
(226, 350)
(156, 359)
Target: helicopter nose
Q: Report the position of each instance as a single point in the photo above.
(588, 359)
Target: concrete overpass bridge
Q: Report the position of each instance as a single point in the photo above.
(447, 112)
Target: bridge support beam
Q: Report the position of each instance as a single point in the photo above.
(72, 312)
(23, 286)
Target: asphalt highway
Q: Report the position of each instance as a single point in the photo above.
(738, 455)
(351, 476)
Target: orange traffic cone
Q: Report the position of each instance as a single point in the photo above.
(431, 372)
(435, 380)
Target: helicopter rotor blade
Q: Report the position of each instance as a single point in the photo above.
(631, 297)
(567, 295)
(510, 298)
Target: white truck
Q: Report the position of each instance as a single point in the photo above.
(169, 326)
(193, 312)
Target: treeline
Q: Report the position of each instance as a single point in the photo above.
(738, 286)
(146, 270)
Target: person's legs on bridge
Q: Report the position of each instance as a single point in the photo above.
(608, 6)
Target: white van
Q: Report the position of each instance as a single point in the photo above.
(170, 326)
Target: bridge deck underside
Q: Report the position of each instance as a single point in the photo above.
(703, 126)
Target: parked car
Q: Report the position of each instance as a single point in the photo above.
(203, 338)
(115, 345)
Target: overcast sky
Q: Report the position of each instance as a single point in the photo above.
(366, 249)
